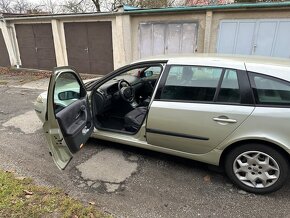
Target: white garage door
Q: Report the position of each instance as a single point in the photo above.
(255, 37)
(167, 38)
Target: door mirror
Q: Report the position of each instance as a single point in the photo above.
(68, 95)
(148, 73)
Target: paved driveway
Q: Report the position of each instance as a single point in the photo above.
(125, 181)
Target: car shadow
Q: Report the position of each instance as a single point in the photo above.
(215, 174)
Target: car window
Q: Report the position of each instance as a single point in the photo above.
(151, 72)
(192, 83)
(229, 91)
(270, 90)
(67, 90)
(134, 72)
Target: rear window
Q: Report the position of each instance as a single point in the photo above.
(269, 90)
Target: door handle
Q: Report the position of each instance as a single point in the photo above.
(254, 48)
(82, 110)
(224, 120)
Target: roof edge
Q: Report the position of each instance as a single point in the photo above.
(209, 7)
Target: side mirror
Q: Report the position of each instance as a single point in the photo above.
(148, 73)
(68, 95)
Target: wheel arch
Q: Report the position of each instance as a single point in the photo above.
(251, 141)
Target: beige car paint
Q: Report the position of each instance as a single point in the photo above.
(266, 124)
(193, 119)
(255, 126)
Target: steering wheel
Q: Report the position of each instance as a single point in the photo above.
(126, 91)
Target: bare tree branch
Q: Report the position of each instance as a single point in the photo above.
(78, 6)
(97, 4)
(5, 6)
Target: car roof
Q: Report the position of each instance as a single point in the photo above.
(277, 67)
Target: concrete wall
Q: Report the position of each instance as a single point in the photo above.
(125, 30)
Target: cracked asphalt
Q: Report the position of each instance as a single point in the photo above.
(125, 181)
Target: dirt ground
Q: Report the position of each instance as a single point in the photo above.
(13, 76)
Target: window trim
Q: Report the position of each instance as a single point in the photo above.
(217, 91)
(255, 94)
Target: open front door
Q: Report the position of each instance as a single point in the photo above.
(68, 124)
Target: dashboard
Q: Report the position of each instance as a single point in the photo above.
(109, 92)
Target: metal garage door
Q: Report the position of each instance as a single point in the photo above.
(91, 51)
(4, 56)
(255, 37)
(167, 38)
(36, 46)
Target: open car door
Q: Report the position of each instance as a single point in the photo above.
(68, 122)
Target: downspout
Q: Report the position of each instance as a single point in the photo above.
(11, 33)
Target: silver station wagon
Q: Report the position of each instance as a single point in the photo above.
(230, 111)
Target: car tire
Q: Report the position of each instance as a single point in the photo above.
(257, 168)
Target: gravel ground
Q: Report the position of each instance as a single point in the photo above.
(150, 184)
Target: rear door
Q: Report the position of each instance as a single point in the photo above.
(197, 108)
(68, 123)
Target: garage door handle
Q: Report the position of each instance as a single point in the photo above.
(224, 120)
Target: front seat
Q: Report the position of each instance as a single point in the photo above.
(187, 75)
(134, 119)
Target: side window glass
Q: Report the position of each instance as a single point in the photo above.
(191, 83)
(152, 72)
(229, 91)
(67, 90)
(269, 90)
(144, 72)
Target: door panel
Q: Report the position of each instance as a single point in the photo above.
(29, 57)
(77, 47)
(188, 44)
(26, 44)
(73, 121)
(174, 39)
(159, 39)
(265, 38)
(190, 127)
(100, 47)
(282, 47)
(68, 124)
(146, 40)
(4, 57)
(226, 41)
(245, 37)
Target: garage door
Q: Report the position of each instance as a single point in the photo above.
(167, 38)
(4, 57)
(255, 37)
(36, 46)
(89, 46)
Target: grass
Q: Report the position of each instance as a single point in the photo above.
(3, 82)
(19, 197)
